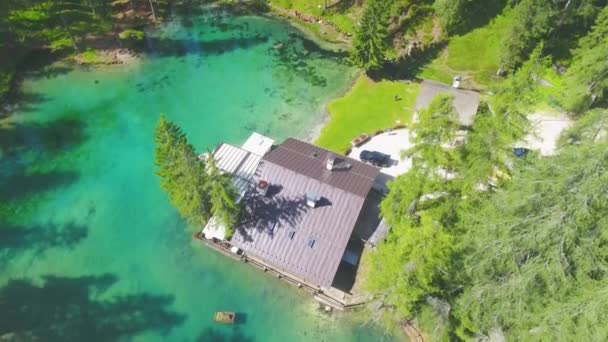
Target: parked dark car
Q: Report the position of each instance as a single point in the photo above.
(375, 158)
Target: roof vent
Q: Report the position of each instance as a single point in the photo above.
(456, 82)
(263, 186)
(331, 161)
(311, 199)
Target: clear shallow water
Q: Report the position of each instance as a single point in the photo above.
(89, 246)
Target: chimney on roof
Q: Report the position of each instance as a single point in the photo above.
(262, 187)
(311, 199)
(331, 161)
(456, 82)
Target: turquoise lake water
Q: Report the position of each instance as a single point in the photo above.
(90, 247)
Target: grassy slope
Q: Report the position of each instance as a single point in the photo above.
(368, 107)
(474, 55)
(549, 95)
(343, 18)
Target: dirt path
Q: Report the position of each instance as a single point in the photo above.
(412, 333)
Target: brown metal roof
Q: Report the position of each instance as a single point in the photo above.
(279, 226)
(309, 160)
(466, 102)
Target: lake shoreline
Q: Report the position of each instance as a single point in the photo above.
(315, 133)
(111, 52)
(83, 162)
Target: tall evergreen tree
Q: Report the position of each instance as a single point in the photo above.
(435, 130)
(182, 175)
(531, 22)
(514, 98)
(487, 151)
(536, 255)
(586, 81)
(224, 198)
(409, 265)
(449, 13)
(552, 21)
(370, 44)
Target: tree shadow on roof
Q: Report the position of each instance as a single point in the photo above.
(269, 213)
(275, 209)
(69, 309)
(273, 190)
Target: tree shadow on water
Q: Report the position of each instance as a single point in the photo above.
(69, 309)
(39, 63)
(15, 239)
(211, 334)
(20, 186)
(31, 165)
(182, 47)
(51, 136)
(23, 102)
(48, 140)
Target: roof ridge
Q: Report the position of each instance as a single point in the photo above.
(328, 151)
(321, 181)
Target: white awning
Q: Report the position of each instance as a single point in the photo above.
(241, 164)
(258, 144)
(214, 229)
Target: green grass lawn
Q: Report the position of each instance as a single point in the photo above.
(344, 18)
(474, 55)
(369, 106)
(549, 95)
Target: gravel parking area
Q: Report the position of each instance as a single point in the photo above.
(391, 143)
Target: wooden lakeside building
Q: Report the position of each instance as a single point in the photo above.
(305, 218)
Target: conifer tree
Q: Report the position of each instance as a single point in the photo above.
(224, 198)
(535, 253)
(436, 128)
(370, 45)
(182, 175)
(586, 81)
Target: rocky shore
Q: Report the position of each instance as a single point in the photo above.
(107, 57)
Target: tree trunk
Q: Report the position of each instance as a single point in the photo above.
(152, 8)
